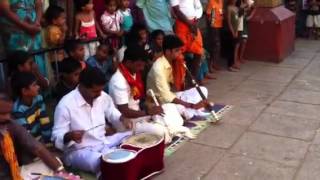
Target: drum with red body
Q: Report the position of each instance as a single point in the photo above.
(140, 157)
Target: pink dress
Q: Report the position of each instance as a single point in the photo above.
(112, 22)
(88, 30)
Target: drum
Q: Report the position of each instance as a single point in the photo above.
(119, 165)
(150, 149)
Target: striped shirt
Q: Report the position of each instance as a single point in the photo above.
(34, 118)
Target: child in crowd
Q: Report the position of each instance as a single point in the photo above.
(55, 33)
(111, 21)
(76, 50)
(246, 11)
(104, 61)
(70, 70)
(156, 40)
(313, 18)
(29, 108)
(127, 19)
(138, 35)
(86, 27)
(21, 61)
(55, 18)
(214, 13)
(232, 35)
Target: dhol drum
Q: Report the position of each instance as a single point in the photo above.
(140, 157)
(119, 165)
(151, 148)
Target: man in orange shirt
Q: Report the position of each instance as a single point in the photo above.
(214, 13)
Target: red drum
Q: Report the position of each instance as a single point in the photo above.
(140, 157)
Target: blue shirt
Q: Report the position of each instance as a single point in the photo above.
(156, 14)
(34, 118)
(127, 20)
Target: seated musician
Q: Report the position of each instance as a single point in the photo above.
(127, 89)
(13, 138)
(80, 123)
(160, 79)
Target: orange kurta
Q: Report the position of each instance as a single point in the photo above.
(192, 44)
(214, 12)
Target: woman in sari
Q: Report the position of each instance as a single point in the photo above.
(20, 22)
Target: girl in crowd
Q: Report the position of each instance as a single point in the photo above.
(126, 15)
(86, 27)
(111, 22)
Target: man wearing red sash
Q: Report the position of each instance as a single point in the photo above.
(127, 90)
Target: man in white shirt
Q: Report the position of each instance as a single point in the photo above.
(188, 12)
(80, 122)
(127, 89)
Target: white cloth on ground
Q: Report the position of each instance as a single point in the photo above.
(191, 96)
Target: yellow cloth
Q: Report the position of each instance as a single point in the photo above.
(54, 38)
(159, 79)
(54, 35)
(7, 149)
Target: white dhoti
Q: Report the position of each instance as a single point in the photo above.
(191, 96)
(88, 158)
(167, 126)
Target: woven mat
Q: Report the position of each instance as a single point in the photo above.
(197, 125)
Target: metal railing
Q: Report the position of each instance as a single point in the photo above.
(42, 51)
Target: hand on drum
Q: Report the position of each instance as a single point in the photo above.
(75, 136)
(128, 124)
(155, 110)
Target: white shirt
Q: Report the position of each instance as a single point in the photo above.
(190, 8)
(120, 91)
(74, 113)
(111, 21)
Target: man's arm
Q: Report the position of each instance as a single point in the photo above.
(38, 6)
(182, 17)
(12, 17)
(111, 112)
(26, 141)
(130, 113)
(61, 126)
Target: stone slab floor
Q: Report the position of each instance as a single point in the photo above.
(272, 132)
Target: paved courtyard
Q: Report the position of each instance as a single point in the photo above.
(272, 132)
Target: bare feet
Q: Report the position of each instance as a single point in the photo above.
(208, 76)
(216, 67)
(211, 70)
(202, 82)
(233, 69)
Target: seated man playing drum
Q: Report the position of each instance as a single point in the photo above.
(160, 79)
(127, 89)
(80, 122)
(17, 144)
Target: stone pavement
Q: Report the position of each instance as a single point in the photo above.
(272, 132)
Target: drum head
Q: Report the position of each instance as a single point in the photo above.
(143, 140)
(119, 156)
